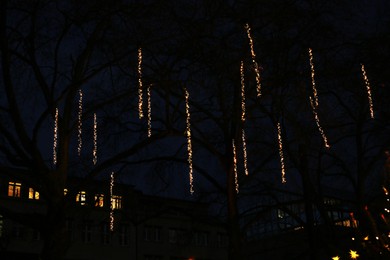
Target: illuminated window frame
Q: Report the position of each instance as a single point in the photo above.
(116, 202)
(99, 200)
(14, 189)
(81, 198)
(33, 194)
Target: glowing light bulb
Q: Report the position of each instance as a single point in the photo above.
(149, 111)
(235, 166)
(189, 143)
(94, 151)
(242, 92)
(253, 54)
(244, 152)
(336, 258)
(324, 138)
(80, 123)
(353, 254)
(368, 87)
(313, 82)
(140, 87)
(280, 141)
(111, 200)
(55, 138)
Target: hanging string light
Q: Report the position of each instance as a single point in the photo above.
(244, 152)
(55, 138)
(280, 141)
(189, 143)
(80, 123)
(235, 166)
(140, 87)
(313, 82)
(149, 111)
(94, 151)
(242, 92)
(111, 202)
(324, 138)
(243, 115)
(253, 54)
(368, 91)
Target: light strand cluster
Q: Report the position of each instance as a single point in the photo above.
(111, 202)
(55, 138)
(189, 142)
(140, 87)
(367, 82)
(94, 151)
(324, 138)
(149, 111)
(313, 82)
(80, 123)
(235, 166)
(244, 152)
(242, 92)
(243, 117)
(253, 54)
(280, 141)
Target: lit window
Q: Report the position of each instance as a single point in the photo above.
(32, 194)
(81, 197)
(99, 200)
(116, 202)
(14, 189)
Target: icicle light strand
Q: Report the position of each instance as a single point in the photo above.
(244, 152)
(280, 141)
(242, 92)
(149, 111)
(313, 82)
(80, 123)
(55, 138)
(189, 143)
(111, 202)
(235, 166)
(94, 152)
(253, 54)
(140, 100)
(368, 92)
(318, 123)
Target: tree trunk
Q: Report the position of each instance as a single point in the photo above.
(54, 232)
(233, 219)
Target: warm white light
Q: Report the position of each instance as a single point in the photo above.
(94, 151)
(111, 202)
(140, 87)
(55, 137)
(242, 92)
(312, 78)
(324, 138)
(80, 123)
(149, 111)
(253, 54)
(280, 141)
(368, 92)
(244, 151)
(353, 254)
(336, 258)
(189, 143)
(235, 166)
